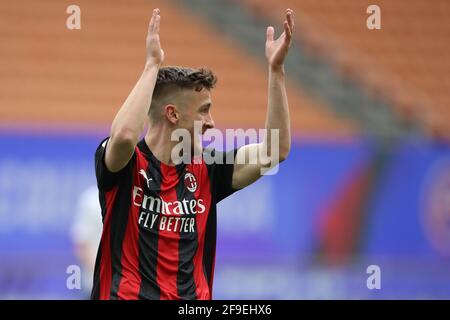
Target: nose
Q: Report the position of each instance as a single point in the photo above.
(209, 122)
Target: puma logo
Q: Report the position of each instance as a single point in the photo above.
(144, 174)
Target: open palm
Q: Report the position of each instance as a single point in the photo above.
(276, 50)
(154, 52)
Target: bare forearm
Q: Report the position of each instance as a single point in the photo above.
(130, 119)
(129, 122)
(278, 111)
(266, 153)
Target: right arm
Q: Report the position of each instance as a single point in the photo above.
(130, 120)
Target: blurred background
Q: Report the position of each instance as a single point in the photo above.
(367, 181)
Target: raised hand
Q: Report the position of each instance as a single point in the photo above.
(276, 50)
(155, 55)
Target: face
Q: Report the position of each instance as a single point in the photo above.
(197, 107)
(191, 106)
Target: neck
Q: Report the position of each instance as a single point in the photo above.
(158, 139)
(159, 142)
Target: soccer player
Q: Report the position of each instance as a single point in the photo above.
(159, 216)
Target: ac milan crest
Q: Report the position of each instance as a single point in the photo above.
(190, 182)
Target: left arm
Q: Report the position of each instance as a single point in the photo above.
(264, 155)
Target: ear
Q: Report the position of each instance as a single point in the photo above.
(171, 113)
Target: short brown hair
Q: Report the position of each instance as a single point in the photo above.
(172, 78)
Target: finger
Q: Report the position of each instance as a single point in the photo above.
(287, 30)
(151, 26)
(157, 23)
(270, 32)
(290, 18)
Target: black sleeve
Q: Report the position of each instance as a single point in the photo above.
(106, 179)
(221, 174)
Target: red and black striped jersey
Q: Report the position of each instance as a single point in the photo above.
(159, 226)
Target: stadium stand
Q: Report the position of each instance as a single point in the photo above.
(83, 76)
